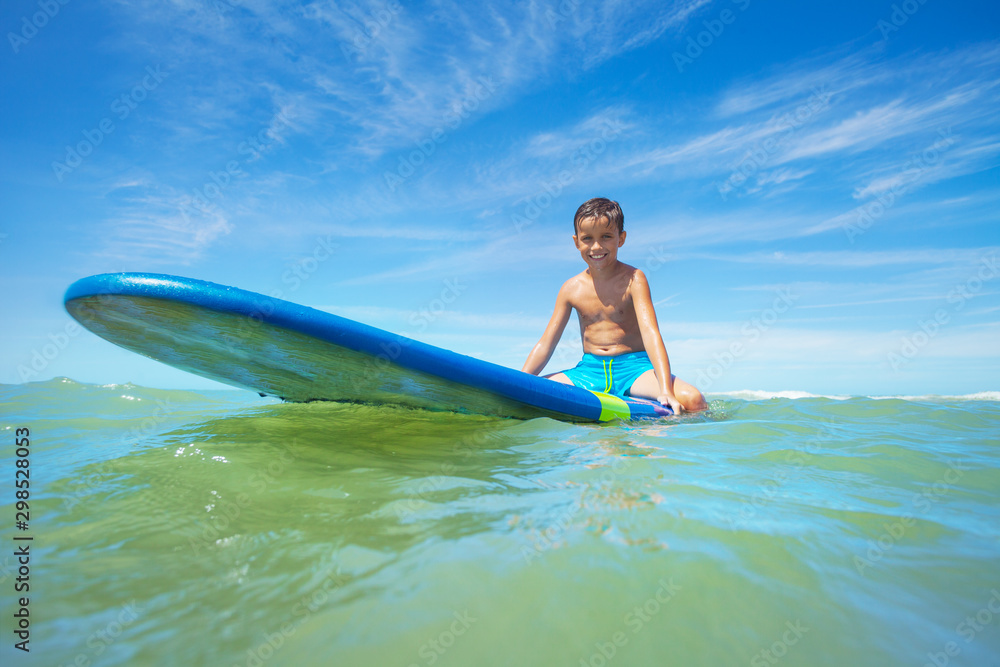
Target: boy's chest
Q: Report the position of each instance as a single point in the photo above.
(595, 307)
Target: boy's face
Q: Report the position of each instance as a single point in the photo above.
(598, 242)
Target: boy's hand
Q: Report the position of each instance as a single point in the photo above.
(671, 400)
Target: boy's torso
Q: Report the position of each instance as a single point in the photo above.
(608, 323)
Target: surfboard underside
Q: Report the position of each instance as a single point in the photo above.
(300, 354)
(240, 351)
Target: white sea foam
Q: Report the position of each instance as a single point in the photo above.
(759, 395)
(978, 396)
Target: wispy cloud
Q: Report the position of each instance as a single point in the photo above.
(150, 235)
(390, 73)
(849, 126)
(349, 85)
(563, 142)
(502, 254)
(446, 319)
(608, 29)
(857, 111)
(863, 259)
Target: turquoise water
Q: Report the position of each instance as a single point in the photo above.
(218, 528)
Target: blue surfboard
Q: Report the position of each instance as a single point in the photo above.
(300, 354)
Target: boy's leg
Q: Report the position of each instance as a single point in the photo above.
(646, 386)
(559, 377)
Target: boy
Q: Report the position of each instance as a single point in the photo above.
(623, 350)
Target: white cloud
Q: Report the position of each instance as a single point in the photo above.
(156, 225)
(858, 118)
(145, 238)
(862, 258)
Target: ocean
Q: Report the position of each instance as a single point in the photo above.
(169, 527)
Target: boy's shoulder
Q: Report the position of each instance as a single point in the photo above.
(623, 277)
(579, 279)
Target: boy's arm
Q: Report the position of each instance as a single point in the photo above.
(652, 341)
(543, 349)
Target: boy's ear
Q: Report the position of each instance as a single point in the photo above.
(576, 241)
(621, 239)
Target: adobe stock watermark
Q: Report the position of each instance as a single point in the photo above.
(467, 446)
(420, 319)
(566, 9)
(568, 351)
(99, 641)
(304, 608)
(654, 259)
(901, 13)
(42, 357)
(581, 159)
(294, 277)
(58, 341)
(548, 538)
(92, 481)
(6, 568)
(895, 531)
(968, 629)
(751, 332)
(47, 10)
(706, 38)
(372, 26)
(779, 648)
(227, 512)
(913, 171)
(408, 165)
(635, 620)
(303, 268)
(762, 152)
(435, 308)
(121, 107)
(252, 148)
(767, 490)
(373, 364)
(428, 486)
(223, 7)
(434, 648)
(911, 344)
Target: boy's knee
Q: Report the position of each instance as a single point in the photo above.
(691, 398)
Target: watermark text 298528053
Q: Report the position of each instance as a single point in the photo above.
(22, 515)
(121, 106)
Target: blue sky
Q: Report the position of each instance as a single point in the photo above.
(812, 189)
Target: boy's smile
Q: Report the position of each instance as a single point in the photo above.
(598, 242)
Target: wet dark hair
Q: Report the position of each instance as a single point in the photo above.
(599, 208)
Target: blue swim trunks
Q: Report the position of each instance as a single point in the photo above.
(610, 375)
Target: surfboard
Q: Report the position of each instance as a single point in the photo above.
(300, 354)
